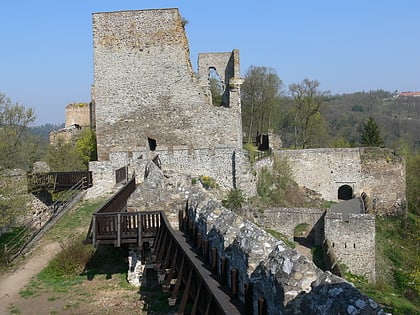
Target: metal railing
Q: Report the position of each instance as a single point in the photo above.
(34, 228)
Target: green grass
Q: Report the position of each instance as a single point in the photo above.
(282, 237)
(397, 265)
(77, 219)
(14, 310)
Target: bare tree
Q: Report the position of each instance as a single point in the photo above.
(307, 118)
(260, 94)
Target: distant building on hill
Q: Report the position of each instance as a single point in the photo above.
(78, 117)
(408, 94)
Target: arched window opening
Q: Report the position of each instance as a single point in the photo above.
(216, 88)
(345, 192)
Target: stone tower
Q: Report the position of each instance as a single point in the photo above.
(149, 101)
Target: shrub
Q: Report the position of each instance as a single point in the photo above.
(234, 199)
(208, 182)
(71, 260)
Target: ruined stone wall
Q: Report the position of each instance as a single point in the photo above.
(147, 97)
(66, 135)
(353, 242)
(325, 170)
(375, 171)
(78, 114)
(384, 180)
(284, 220)
(144, 86)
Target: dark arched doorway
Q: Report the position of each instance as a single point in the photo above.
(345, 192)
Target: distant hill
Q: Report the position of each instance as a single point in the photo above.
(42, 131)
(398, 117)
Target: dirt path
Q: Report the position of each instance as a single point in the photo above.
(11, 283)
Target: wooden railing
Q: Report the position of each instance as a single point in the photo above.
(57, 181)
(124, 227)
(121, 174)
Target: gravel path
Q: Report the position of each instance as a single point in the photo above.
(13, 282)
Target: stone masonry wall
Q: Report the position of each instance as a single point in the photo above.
(78, 113)
(353, 242)
(375, 171)
(325, 170)
(144, 86)
(283, 279)
(284, 220)
(383, 179)
(148, 101)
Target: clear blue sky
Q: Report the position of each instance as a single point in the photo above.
(46, 56)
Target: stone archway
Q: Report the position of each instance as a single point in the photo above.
(345, 192)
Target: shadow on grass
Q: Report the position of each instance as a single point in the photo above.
(108, 260)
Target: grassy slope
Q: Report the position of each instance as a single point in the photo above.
(398, 265)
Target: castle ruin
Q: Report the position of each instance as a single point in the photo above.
(151, 105)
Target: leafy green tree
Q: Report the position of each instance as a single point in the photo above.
(15, 152)
(261, 92)
(371, 136)
(14, 121)
(341, 142)
(64, 157)
(216, 91)
(13, 197)
(86, 147)
(307, 119)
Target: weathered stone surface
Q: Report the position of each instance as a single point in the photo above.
(40, 167)
(278, 274)
(377, 172)
(330, 295)
(147, 97)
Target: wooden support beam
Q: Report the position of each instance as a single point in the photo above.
(262, 307)
(186, 293)
(172, 269)
(119, 230)
(139, 231)
(214, 259)
(197, 296)
(168, 254)
(94, 229)
(234, 283)
(180, 219)
(249, 299)
(223, 271)
(206, 250)
(179, 279)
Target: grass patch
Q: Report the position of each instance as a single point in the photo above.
(78, 219)
(282, 237)
(397, 265)
(301, 229)
(318, 257)
(13, 309)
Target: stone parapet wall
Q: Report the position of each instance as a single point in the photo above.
(285, 220)
(325, 170)
(227, 165)
(284, 280)
(353, 242)
(377, 172)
